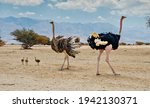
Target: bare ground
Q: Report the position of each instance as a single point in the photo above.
(131, 62)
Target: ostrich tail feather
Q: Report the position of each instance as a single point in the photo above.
(74, 42)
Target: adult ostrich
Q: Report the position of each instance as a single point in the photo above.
(65, 45)
(107, 42)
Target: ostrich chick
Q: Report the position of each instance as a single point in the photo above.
(22, 60)
(26, 61)
(37, 60)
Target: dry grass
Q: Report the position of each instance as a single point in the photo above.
(132, 62)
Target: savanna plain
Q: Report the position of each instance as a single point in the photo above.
(131, 62)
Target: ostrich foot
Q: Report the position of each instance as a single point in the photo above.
(61, 69)
(97, 74)
(116, 74)
(68, 67)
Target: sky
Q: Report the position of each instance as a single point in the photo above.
(79, 11)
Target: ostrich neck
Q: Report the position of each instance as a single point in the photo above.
(121, 21)
(54, 41)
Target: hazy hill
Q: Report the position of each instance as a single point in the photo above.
(9, 24)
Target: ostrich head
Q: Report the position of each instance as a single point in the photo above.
(94, 34)
(52, 22)
(123, 17)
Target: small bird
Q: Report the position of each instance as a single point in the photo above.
(37, 60)
(22, 60)
(26, 60)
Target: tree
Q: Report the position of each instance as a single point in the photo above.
(29, 38)
(42, 40)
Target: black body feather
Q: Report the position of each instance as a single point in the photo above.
(111, 38)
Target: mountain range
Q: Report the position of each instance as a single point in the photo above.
(43, 27)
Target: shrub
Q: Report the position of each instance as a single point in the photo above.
(28, 38)
(139, 43)
(42, 40)
(122, 43)
(147, 43)
(2, 43)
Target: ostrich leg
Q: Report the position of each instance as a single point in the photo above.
(64, 61)
(67, 62)
(98, 60)
(108, 50)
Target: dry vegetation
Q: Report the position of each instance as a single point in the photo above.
(2, 43)
(132, 62)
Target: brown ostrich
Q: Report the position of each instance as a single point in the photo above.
(65, 45)
(107, 42)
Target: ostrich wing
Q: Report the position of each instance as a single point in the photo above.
(59, 37)
(68, 45)
(57, 44)
(74, 42)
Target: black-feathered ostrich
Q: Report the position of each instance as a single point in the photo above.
(66, 45)
(107, 42)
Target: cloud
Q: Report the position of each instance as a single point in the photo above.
(26, 14)
(63, 18)
(59, 17)
(131, 8)
(23, 2)
(67, 17)
(15, 7)
(117, 7)
(100, 18)
(50, 5)
(85, 5)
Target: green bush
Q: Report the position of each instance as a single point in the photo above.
(122, 43)
(139, 43)
(42, 40)
(28, 38)
(147, 43)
